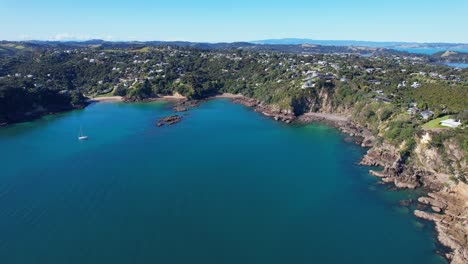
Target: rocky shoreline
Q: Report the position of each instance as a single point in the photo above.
(449, 205)
(356, 133)
(450, 215)
(38, 113)
(286, 116)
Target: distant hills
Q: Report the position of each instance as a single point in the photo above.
(388, 45)
(12, 47)
(442, 52)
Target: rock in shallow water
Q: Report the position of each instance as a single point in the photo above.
(169, 120)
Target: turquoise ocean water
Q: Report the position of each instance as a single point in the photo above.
(225, 185)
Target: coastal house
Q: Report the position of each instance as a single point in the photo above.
(412, 111)
(426, 114)
(383, 99)
(379, 92)
(328, 76)
(416, 85)
(450, 123)
(308, 84)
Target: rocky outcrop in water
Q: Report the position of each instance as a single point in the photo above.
(169, 120)
(448, 200)
(450, 215)
(184, 105)
(423, 167)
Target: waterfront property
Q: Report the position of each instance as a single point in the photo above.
(450, 123)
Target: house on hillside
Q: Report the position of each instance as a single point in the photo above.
(450, 123)
(426, 114)
(382, 99)
(308, 84)
(402, 84)
(412, 111)
(416, 85)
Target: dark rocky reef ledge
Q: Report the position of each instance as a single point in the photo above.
(357, 133)
(450, 215)
(169, 120)
(449, 204)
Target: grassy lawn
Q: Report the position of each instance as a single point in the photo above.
(435, 123)
(16, 46)
(144, 49)
(114, 50)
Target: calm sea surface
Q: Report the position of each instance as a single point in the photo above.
(457, 65)
(427, 51)
(225, 185)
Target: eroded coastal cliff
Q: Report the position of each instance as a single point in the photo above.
(423, 166)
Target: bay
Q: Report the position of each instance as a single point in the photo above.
(225, 185)
(428, 51)
(457, 65)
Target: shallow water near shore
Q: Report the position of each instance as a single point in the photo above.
(225, 185)
(458, 65)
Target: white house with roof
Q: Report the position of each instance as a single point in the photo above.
(450, 123)
(416, 85)
(426, 114)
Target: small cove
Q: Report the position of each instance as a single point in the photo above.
(225, 185)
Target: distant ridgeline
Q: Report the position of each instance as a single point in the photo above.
(450, 56)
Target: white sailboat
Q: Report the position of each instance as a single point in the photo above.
(81, 136)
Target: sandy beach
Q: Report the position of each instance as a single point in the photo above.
(107, 99)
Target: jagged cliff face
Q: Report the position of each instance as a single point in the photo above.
(435, 171)
(317, 100)
(450, 214)
(445, 166)
(425, 166)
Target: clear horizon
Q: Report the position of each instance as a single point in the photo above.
(215, 42)
(217, 21)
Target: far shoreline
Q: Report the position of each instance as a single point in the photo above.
(175, 97)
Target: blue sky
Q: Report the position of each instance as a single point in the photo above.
(241, 20)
